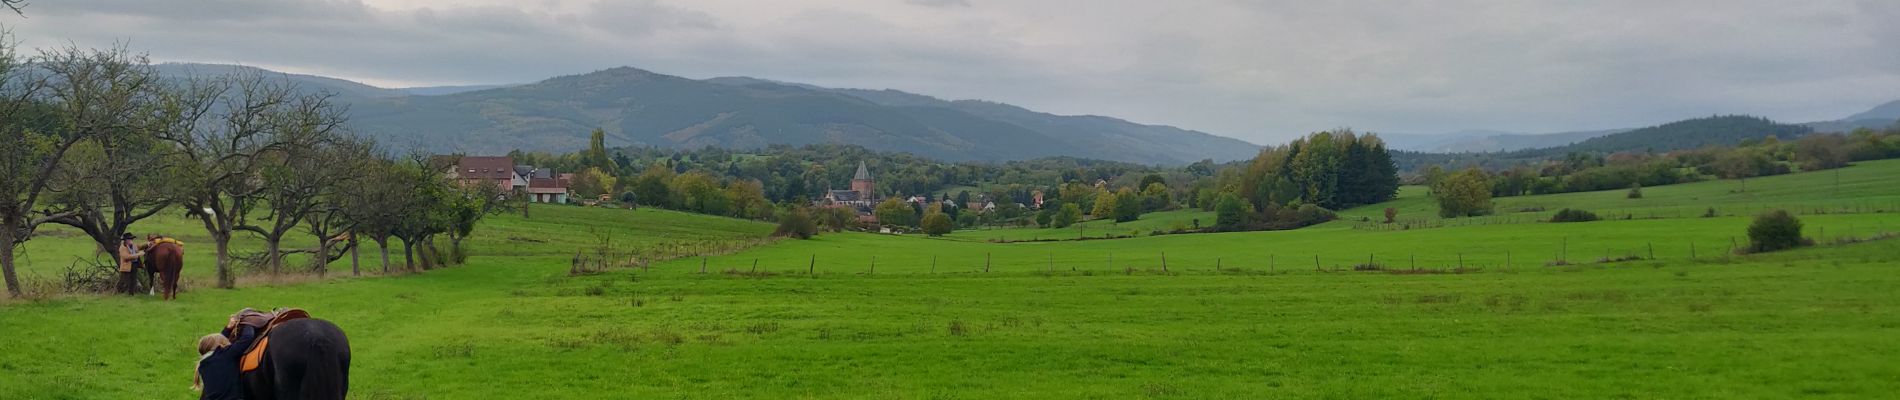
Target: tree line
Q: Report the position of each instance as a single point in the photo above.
(96, 140)
(1468, 192)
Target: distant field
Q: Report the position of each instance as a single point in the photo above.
(552, 231)
(1058, 320)
(1150, 222)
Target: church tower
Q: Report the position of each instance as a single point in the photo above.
(862, 182)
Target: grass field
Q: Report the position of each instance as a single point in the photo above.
(1056, 320)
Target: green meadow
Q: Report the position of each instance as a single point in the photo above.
(1652, 306)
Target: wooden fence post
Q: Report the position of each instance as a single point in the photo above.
(933, 264)
(702, 264)
(1316, 263)
(812, 269)
(873, 266)
(755, 266)
(1164, 261)
(986, 262)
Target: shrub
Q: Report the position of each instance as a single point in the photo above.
(1043, 217)
(1573, 215)
(1230, 212)
(938, 224)
(966, 219)
(796, 224)
(1636, 191)
(1391, 214)
(1775, 230)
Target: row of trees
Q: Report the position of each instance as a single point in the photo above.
(96, 140)
(1583, 172)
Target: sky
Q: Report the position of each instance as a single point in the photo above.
(1262, 71)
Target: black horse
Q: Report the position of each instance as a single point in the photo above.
(306, 359)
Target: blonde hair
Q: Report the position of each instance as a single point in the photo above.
(212, 342)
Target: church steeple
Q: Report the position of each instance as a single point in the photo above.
(862, 182)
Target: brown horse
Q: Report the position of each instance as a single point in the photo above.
(166, 259)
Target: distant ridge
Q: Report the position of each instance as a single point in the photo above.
(639, 107)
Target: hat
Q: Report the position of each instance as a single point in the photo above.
(126, 236)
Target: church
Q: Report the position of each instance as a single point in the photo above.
(862, 195)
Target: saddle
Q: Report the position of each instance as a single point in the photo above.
(264, 323)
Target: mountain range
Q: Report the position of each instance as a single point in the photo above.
(643, 108)
(638, 107)
(1880, 116)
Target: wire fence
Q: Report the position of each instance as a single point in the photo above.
(1563, 255)
(1536, 214)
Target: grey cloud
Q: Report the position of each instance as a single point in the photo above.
(1258, 70)
(940, 3)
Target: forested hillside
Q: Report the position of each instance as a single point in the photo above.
(1679, 135)
(637, 107)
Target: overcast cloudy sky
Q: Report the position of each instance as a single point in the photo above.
(1262, 71)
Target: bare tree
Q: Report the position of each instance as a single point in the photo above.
(298, 171)
(31, 147)
(374, 205)
(224, 155)
(348, 162)
(115, 175)
(18, 6)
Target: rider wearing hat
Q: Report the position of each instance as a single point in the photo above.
(128, 254)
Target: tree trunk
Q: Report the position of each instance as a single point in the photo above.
(428, 254)
(408, 255)
(226, 280)
(273, 256)
(456, 255)
(354, 246)
(383, 244)
(7, 232)
(322, 264)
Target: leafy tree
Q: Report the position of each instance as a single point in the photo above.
(1105, 205)
(1775, 230)
(1155, 197)
(1231, 212)
(1044, 217)
(1152, 179)
(937, 224)
(1466, 193)
(797, 223)
(895, 212)
(1127, 205)
(967, 220)
(591, 183)
(837, 219)
(597, 153)
(651, 185)
(748, 199)
(1068, 215)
